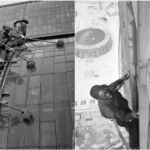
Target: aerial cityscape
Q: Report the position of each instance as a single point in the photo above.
(96, 51)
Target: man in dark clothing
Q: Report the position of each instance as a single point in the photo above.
(23, 27)
(16, 34)
(4, 38)
(113, 106)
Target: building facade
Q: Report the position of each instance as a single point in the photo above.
(47, 90)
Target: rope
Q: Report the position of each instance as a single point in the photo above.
(120, 135)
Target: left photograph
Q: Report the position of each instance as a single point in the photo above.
(37, 74)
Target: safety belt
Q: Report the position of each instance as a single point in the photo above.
(120, 135)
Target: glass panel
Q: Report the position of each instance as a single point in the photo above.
(20, 91)
(59, 53)
(23, 69)
(47, 88)
(32, 131)
(50, 49)
(48, 65)
(16, 130)
(47, 112)
(33, 96)
(39, 51)
(3, 138)
(70, 66)
(60, 67)
(59, 49)
(38, 55)
(13, 72)
(64, 125)
(70, 57)
(62, 92)
(60, 78)
(69, 49)
(34, 81)
(48, 54)
(59, 59)
(28, 56)
(48, 137)
(71, 86)
(9, 86)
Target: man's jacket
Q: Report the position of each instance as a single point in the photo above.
(4, 39)
(116, 107)
(15, 33)
(23, 29)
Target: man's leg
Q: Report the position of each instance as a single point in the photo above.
(118, 83)
(134, 134)
(133, 129)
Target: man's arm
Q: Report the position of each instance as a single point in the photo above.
(22, 29)
(120, 81)
(116, 83)
(14, 34)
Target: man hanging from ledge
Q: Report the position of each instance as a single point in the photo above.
(4, 38)
(113, 106)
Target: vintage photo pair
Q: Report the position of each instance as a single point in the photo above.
(74, 75)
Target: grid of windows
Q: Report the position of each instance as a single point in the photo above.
(45, 18)
(48, 92)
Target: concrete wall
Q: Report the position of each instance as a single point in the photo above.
(128, 51)
(135, 55)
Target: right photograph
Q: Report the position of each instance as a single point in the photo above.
(112, 75)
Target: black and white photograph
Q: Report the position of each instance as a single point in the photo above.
(74, 74)
(109, 75)
(37, 74)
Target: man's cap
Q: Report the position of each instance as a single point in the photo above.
(94, 92)
(16, 22)
(25, 20)
(5, 27)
